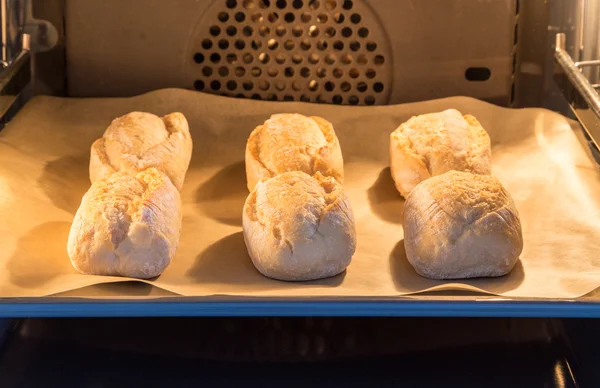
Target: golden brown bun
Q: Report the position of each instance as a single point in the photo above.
(461, 225)
(435, 143)
(297, 227)
(138, 141)
(127, 225)
(293, 142)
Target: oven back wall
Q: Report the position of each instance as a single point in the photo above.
(333, 51)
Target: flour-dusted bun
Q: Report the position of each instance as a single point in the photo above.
(461, 225)
(297, 227)
(127, 225)
(293, 142)
(138, 141)
(435, 143)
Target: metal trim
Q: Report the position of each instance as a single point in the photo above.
(240, 307)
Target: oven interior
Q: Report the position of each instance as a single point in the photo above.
(348, 52)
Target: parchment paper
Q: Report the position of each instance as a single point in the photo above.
(44, 155)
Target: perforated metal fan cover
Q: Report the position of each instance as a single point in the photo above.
(330, 51)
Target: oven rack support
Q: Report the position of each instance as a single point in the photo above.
(580, 93)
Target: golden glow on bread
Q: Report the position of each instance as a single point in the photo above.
(435, 143)
(138, 140)
(288, 143)
(293, 142)
(133, 134)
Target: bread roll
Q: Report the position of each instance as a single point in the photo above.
(461, 225)
(435, 143)
(138, 141)
(293, 142)
(297, 227)
(127, 225)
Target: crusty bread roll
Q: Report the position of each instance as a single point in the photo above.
(293, 142)
(127, 225)
(138, 141)
(435, 143)
(297, 227)
(461, 225)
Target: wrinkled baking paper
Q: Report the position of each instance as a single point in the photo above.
(44, 155)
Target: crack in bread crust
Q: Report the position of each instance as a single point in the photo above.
(127, 225)
(138, 141)
(299, 227)
(461, 225)
(292, 142)
(435, 143)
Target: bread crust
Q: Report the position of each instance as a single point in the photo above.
(299, 227)
(138, 140)
(435, 143)
(293, 142)
(128, 224)
(461, 225)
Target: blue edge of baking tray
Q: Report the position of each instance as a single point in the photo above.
(216, 306)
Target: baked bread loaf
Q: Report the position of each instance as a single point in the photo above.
(297, 227)
(461, 225)
(127, 225)
(435, 143)
(293, 142)
(138, 141)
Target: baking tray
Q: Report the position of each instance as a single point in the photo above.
(537, 154)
